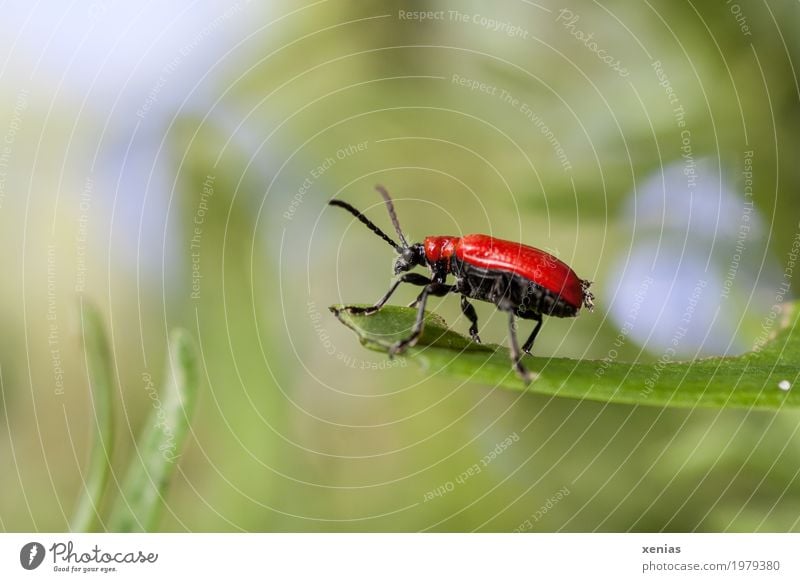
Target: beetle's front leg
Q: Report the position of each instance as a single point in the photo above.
(435, 289)
(413, 278)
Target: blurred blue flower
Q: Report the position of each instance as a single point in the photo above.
(697, 276)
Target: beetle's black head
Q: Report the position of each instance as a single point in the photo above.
(409, 258)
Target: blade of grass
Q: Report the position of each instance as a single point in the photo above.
(762, 379)
(139, 506)
(101, 382)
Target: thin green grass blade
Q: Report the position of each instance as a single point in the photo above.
(141, 501)
(101, 382)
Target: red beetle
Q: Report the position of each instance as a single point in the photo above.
(523, 281)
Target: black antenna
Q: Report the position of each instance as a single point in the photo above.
(368, 223)
(392, 215)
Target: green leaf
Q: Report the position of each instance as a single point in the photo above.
(753, 380)
(138, 508)
(101, 382)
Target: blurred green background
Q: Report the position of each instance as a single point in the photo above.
(172, 165)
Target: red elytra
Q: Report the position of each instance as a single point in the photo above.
(488, 252)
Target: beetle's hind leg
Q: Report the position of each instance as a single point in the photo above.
(526, 347)
(469, 310)
(516, 353)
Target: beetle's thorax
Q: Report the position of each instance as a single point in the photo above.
(439, 249)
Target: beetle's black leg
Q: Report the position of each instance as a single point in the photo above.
(469, 310)
(413, 278)
(526, 347)
(416, 330)
(436, 290)
(516, 354)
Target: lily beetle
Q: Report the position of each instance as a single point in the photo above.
(520, 280)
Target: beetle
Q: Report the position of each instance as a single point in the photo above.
(520, 280)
